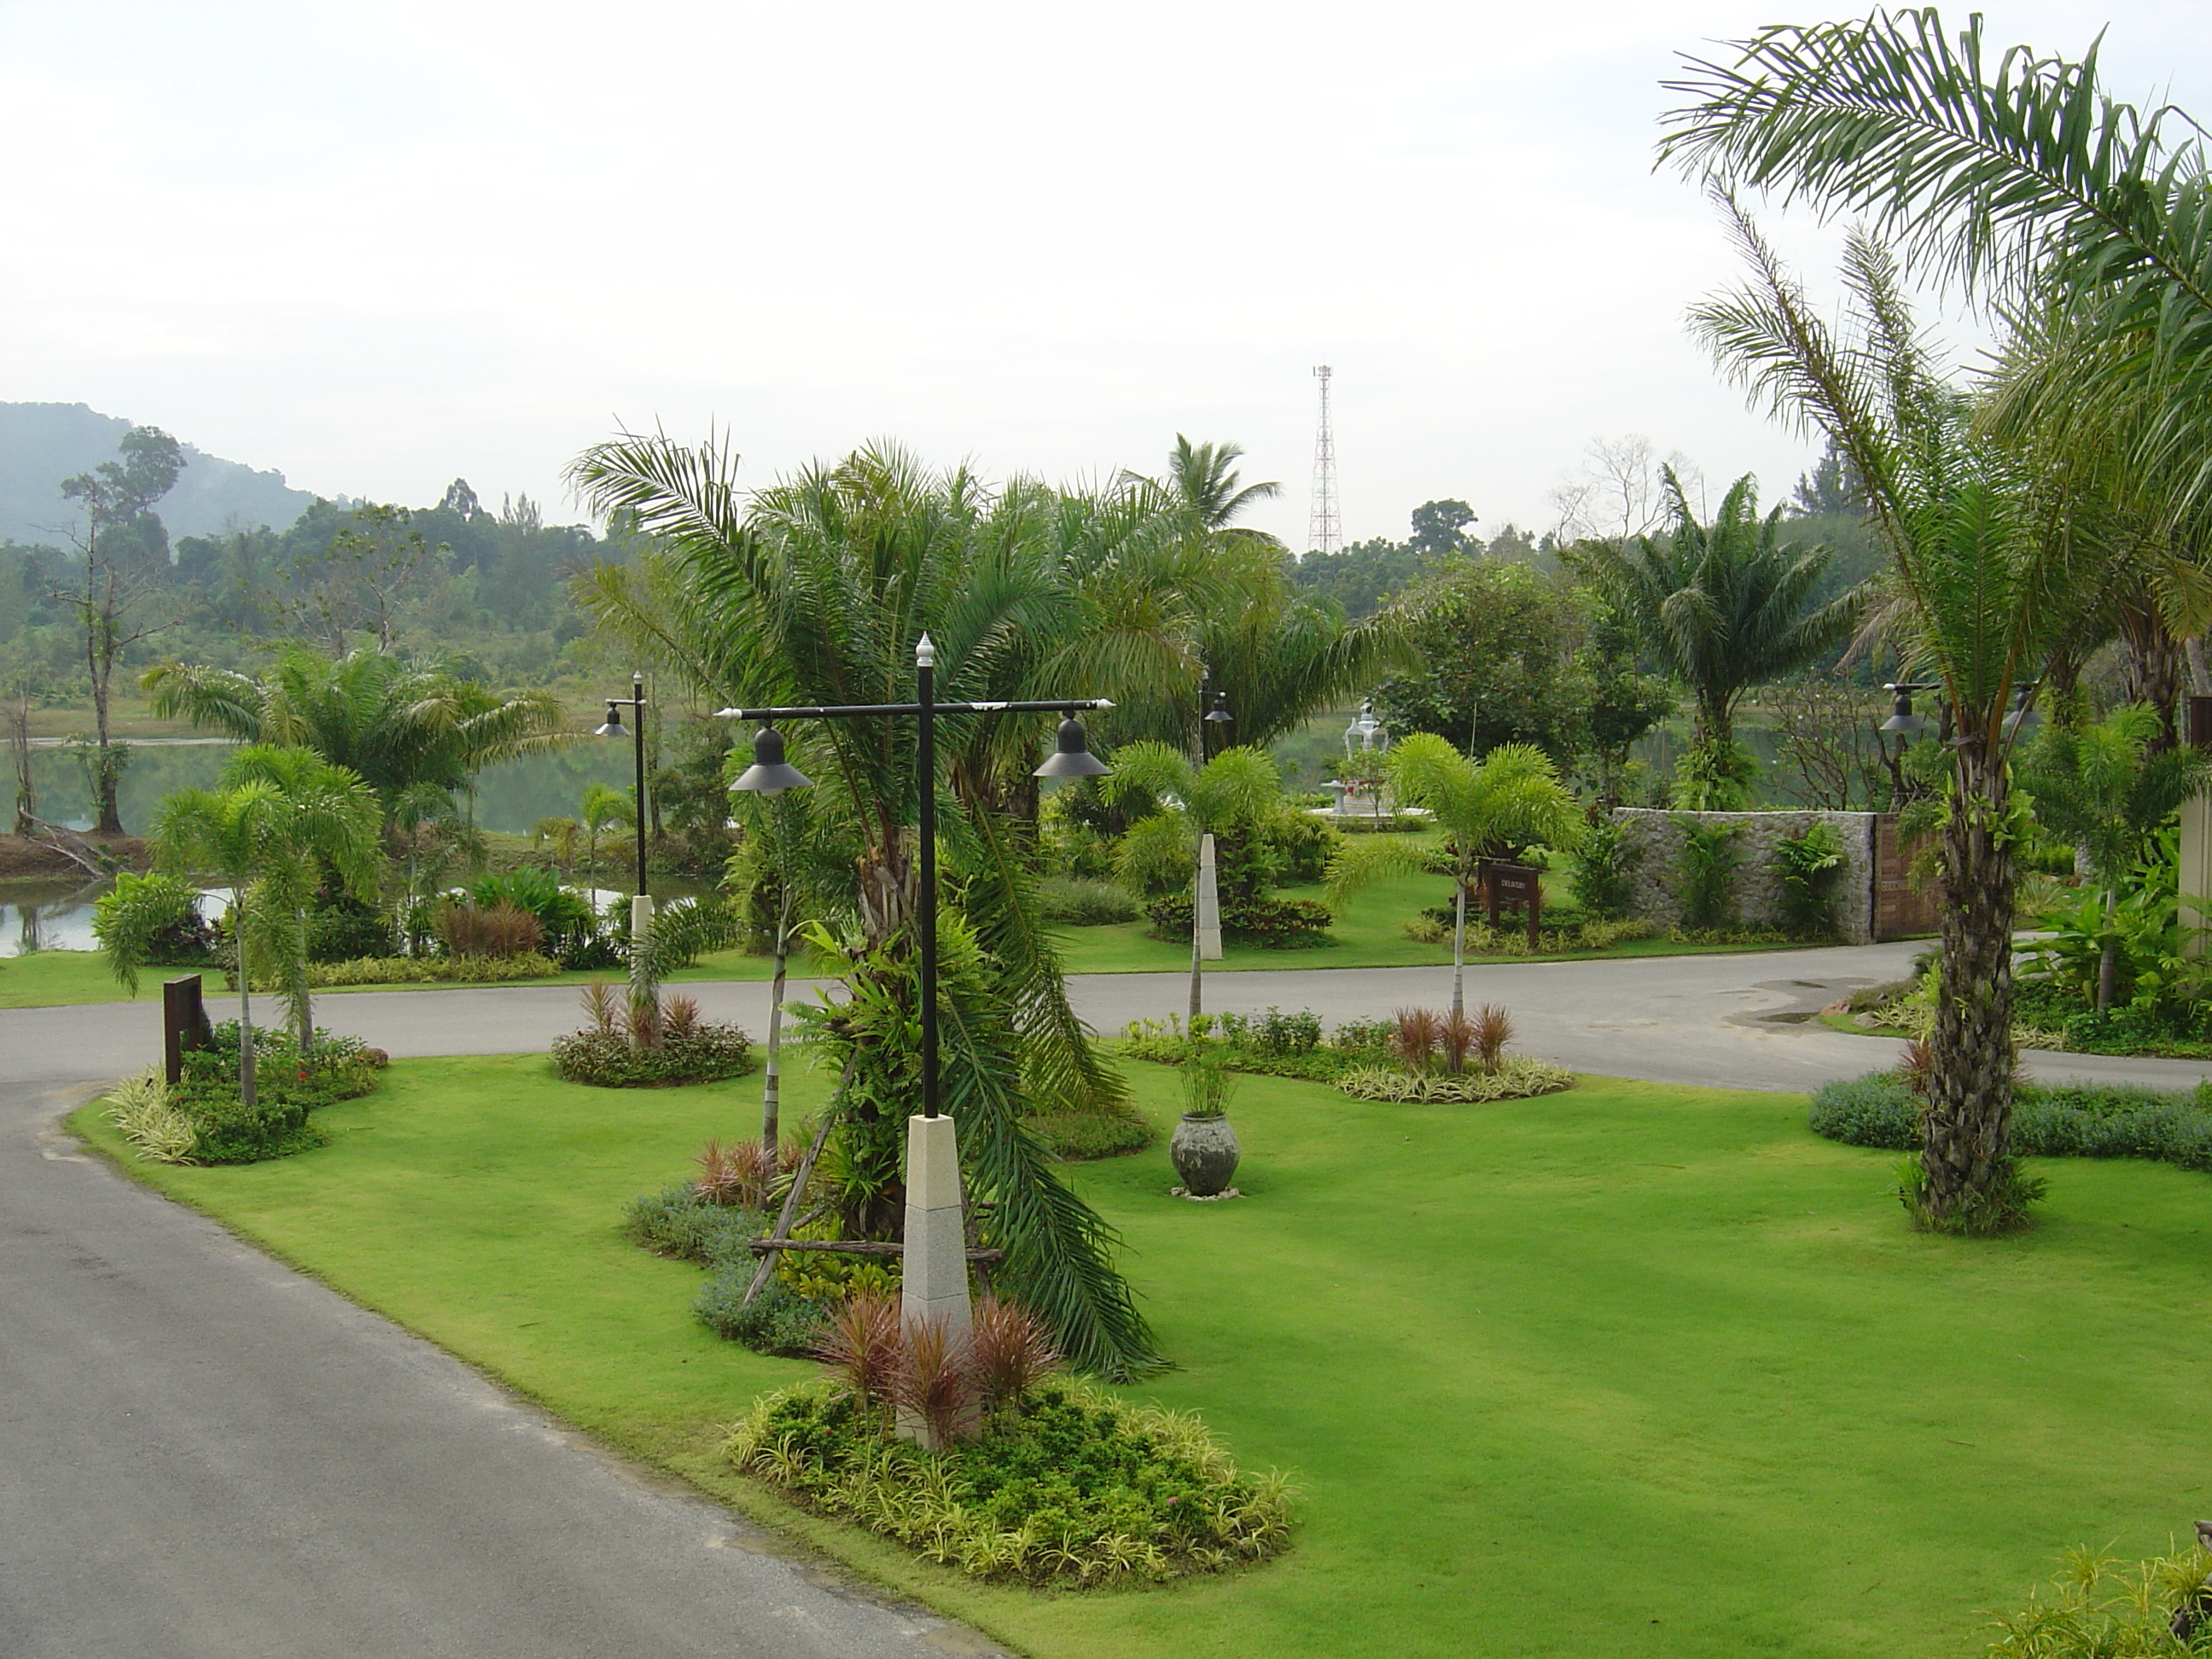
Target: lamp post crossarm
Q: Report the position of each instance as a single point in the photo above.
(855, 710)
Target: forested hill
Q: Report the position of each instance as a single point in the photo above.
(41, 444)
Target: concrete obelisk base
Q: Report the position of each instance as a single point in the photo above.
(1206, 917)
(934, 1273)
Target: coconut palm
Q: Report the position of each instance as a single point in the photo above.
(1723, 606)
(815, 591)
(279, 820)
(1510, 799)
(330, 836)
(396, 724)
(2107, 788)
(1229, 797)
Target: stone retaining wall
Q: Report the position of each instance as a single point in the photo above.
(1758, 885)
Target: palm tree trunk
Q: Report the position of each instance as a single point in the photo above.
(772, 1085)
(245, 1000)
(1459, 949)
(2108, 961)
(306, 1003)
(1966, 1155)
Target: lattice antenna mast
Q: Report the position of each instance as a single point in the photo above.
(1324, 531)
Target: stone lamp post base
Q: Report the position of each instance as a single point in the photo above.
(934, 1275)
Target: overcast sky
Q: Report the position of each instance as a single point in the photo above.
(378, 246)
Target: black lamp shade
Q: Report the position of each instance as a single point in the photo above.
(1218, 714)
(770, 774)
(1902, 719)
(614, 728)
(1072, 756)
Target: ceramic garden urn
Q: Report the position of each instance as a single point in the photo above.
(1204, 1153)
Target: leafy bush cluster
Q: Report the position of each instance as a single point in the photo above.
(1517, 1077)
(1084, 901)
(646, 1046)
(1078, 1137)
(1809, 866)
(431, 971)
(1275, 1044)
(1705, 869)
(1434, 927)
(1604, 879)
(1881, 1110)
(204, 1120)
(162, 914)
(1270, 923)
(1071, 1487)
(2099, 1609)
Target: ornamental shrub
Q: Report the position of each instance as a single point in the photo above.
(1705, 869)
(1086, 903)
(1604, 879)
(1074, 1488)
(705, 1053)
(1078, 1137)
(1809, 866)
(1878, 1111)
(1272, 924)
(155, 920)
(1520, 1078)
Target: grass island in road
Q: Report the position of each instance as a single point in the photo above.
(1634, 1369)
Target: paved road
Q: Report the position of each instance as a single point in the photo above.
(1717, 1019)
(203, 1453)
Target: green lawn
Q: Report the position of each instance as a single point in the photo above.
(1371, 933)
(1632, 1370)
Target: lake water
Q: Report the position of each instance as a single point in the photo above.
(510, 797)
(42, 915)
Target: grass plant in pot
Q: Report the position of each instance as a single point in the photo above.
(1204, 1149)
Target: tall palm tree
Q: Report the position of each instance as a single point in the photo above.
(279, 819)
(1229, 797)
(1991, 580)
(2018, 179)
(814, 591)
(1511, 798)
(1724, 606)
(398, 724)
(331, 834)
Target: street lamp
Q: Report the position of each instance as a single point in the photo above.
(771, 773)
(635, 703)
(934, 1280)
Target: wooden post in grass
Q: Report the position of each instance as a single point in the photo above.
(184, 1024)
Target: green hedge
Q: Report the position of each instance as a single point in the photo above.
(2071, 1122)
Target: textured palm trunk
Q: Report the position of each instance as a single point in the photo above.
(1966, 1156)
(244, 1002)
(1459, 950)
(772, 1085)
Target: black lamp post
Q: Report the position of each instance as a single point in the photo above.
(635, 703)
(771, 773)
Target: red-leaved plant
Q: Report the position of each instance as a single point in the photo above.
(1416, 1037)
(935, 1381)
(1493, 1030)
(1010, 1351)
(864, 1348)
(742, 1174)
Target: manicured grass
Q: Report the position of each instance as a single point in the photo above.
(1370, 933)
(50, 978)
(1632, 1369)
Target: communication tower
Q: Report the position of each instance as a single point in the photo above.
(1324, 531)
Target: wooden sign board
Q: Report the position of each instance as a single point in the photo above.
(1514, 887)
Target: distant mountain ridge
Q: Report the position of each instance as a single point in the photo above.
(41, 444)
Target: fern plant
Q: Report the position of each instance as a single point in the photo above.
(1705, 868)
